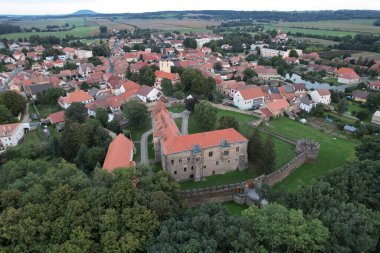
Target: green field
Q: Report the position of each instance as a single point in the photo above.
(81, 32)
(42, 23)
(333, 153)
(233, 208)
(306, 31)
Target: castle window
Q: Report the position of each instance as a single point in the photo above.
(217, 162)
(204, 167)
(180, 160)
(237, 149)
(197, 159)
(175, 172)
(188, 159)
(172, 162)
(192, 167)
(229, 161)
(184, 169)
(225, 153)
(210, 154)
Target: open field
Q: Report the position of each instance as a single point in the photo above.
(171, 24)
(42, 23)
(333, 153)
(118, 25)
(353, 25)
(81, 32)
(306, 31)
(369, 55)
(317, 41)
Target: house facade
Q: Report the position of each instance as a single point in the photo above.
(249, 97)
(321, 96)
(195, 156)
(12, 134)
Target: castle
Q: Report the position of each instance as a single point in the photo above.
(194, 156)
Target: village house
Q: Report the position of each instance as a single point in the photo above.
(274, 109)
(375, 85)
(195, 156)
(376, 118)
(360, 96)
(321, 96)
(161, 75)
(306, 104)
(347, 76)
(57, 117)
(229, 88)
(12, 134)
(249, 97)
(83, 54)
(148, 94)
(85, 69)
(120, 154)
(299, 88)
(267, 73)
(79, 96)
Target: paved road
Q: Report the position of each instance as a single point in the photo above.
(26, 118)
(144, 146)
(185, 120)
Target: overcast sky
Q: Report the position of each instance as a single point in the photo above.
(122, 6)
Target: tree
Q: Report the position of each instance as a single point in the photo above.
(268, 156)
(205, 114)
(248, 74)
(167, 87)
(363, 114)
(73, 137)
(283, 230)
(146, 76)
(190, 43)
(369, 149)
(318, 110)
(5, 115)
(373, 101)
(15, 103)
(218, 66)
(226, 122)
(137, 114)
(293, 53)
(194, 82)
(102, 116)
(342, 106)
(51, 96)
(255, 147)
(77, 112)
(190, 103)
(103, 29)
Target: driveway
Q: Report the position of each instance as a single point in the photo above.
(185, 120)
(144, 146)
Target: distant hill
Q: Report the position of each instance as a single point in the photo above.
(85, 12)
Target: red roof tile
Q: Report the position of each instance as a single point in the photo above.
(57, 117)
(119, 154)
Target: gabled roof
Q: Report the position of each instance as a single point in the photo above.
(251, 92)
(57, 117)
(77, 97)
(324, 92)
(130, 85)
(145, 90)
(119, 154)
(277, 105)
(8, 130)
(166, 75)
(347, 73)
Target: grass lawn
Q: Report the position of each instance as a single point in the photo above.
(178, 122)
(150, 147)
(177, 108)
(30, 138)
(332, 81)
(137, 133)
(227, 178)
(333, 153)
(80, 32)
(137, 156)
(31, 109)
(233, 208)
(45, 110)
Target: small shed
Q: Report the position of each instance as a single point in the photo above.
(350, 129)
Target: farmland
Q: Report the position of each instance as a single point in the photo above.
(42, 23)
(320, 32)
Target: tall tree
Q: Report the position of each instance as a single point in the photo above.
(102, 116)
(226, 122)
(268, 156)
(167, 87)
(137, 114)
(13, 101)
(255, 147)
(77, 112)
(205, 115)
(146, 76)
(190, 43)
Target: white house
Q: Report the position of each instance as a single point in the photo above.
(376, 118)
(85, 69)
(12, 134)
(83, 54)
(321, 96)
(249, 97)
(306, 104)
(347, 76)
(148, 94)
(79, 96)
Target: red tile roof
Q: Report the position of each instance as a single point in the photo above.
(172, 142)
(77, 97)
(119, 154)
(324, 92)
(277, 105)
(347, 73)
(130, 85)
(251, 92)
(162, 74)
(57, 117)
(7, 130)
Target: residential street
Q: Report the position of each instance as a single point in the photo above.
(144, 146)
